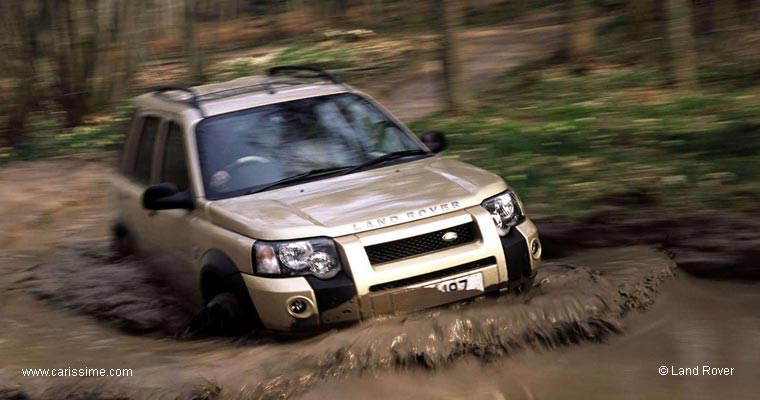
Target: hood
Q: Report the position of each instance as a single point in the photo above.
(357, 202)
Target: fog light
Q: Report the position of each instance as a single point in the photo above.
(535, 248)
(300, 307)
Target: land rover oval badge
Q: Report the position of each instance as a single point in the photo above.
(449, 236)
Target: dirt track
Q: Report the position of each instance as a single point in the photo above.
(488, 54)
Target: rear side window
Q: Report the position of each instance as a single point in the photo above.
(144, 154)
(126, 127)
(175, 168)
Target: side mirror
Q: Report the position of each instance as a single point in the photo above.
(434, 140)
(166, 196)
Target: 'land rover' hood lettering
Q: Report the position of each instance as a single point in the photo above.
(358, 202)
(409, 216)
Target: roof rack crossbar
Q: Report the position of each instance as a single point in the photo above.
(300, 68)
(268, 86)
(193, 100)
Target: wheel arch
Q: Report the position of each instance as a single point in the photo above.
(219, 274)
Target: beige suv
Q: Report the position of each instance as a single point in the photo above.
(292, 202)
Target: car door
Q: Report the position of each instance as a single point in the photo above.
(137, 174)
(173, 229)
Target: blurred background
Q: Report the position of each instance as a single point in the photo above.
(621, 123)
(580, 100)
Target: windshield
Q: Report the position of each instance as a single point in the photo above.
(252, 148)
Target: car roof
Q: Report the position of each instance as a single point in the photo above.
(238, 94)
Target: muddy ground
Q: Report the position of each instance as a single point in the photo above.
(68, 302)
(609, 308)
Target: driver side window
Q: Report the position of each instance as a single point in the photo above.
(174, 168)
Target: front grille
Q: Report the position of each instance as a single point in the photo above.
(417, 245)
(433, 275)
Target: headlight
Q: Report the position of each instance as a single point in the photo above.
(506, 211)
(316, 257)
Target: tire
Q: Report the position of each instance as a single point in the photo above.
(122, 242)
(523, 285)
(222, 316)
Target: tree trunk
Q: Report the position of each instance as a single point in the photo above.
(580, 32)
(23, 101)
(725, 17)
(640, 17)
(340, 9)
(122, 60)
(682, 54)
(192, 47)
(450, 20)
(20, 41)
(75, 50)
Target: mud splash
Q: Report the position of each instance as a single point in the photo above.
(88, 278)
(570, 304)
(575, 300)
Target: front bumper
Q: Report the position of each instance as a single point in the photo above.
(364, 290)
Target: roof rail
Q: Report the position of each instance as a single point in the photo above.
(300, 68)
(193, 100)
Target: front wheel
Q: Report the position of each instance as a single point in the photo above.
(122, 242)
(522, 285)
(222, 316)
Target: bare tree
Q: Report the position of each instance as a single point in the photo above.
(725, 17)
(639, 16)
(579, 43)
(682, 53)
(92, 52)
(19, 38)
(455, 87)
(191, 45)
(74, 48)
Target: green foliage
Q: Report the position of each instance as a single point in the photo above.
(736, 75)
(325, 54)
(566, 142)
(303, 53)
(48, 139)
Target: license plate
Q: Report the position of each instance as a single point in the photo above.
(469, 282)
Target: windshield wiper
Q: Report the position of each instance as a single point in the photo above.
(299, 177)
(385, 158)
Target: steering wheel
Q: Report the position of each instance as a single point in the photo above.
(222, 178)
(245, 161)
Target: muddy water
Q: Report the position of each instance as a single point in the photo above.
(692, 323)
(71, 310)
(66, 302)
